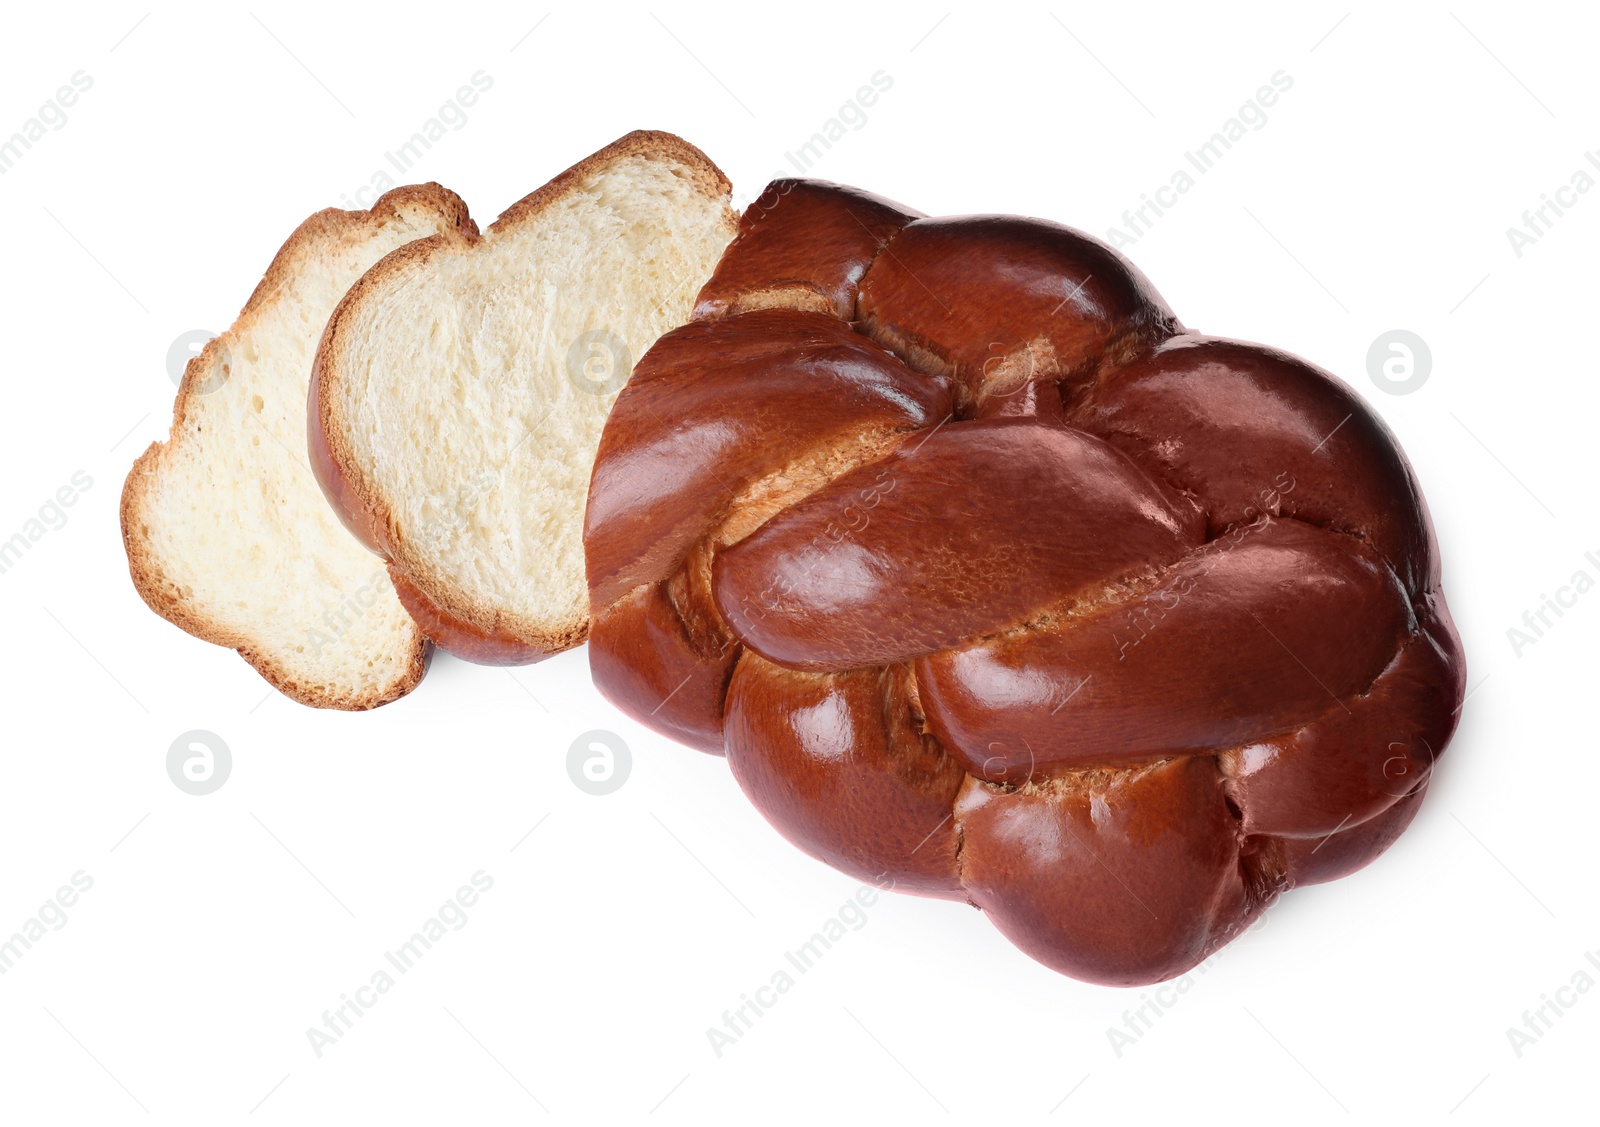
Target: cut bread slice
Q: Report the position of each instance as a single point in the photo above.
(462, 384)
(227, 533)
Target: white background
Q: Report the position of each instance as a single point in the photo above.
(219, 928)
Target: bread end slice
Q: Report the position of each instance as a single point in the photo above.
(226, 532)
(462, 385)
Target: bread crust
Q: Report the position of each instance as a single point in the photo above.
(144, 563)
(470, 629)
(466, 641)
(1111, 656)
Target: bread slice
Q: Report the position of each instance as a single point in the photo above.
(462, 384)
(226, 532)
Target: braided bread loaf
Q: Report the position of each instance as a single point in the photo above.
(992, 581)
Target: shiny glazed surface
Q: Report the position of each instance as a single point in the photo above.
(992, 581)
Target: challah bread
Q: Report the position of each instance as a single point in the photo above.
(457, 402)
(992, 580)
(812, 256)
(226, 532)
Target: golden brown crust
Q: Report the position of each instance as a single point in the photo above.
(468, 628)
(707, 176)
(466, 641)
(144, 565)
(284, 680)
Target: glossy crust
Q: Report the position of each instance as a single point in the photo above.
(803, 244)
(1113, 630)
(998, 302)
(655, 652)
(838, 763)
(476, 633)
(1129, 879)
(669, 468)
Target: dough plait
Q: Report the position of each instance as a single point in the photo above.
(993, 581)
